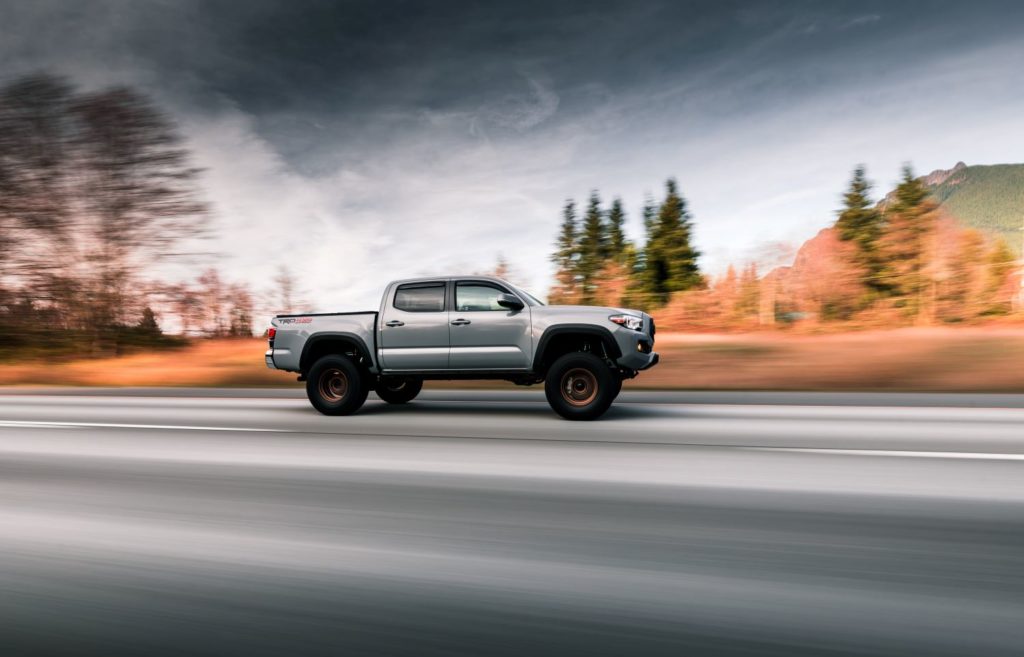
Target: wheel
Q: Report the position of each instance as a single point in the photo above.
(398, 391)
(335, 386)
(616, 386)
(580, 386)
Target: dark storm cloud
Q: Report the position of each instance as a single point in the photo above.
(338, 64)
(390, 127)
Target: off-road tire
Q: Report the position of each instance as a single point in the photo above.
(336, 386)
(580, 386)
(616, 386)
(397, 391)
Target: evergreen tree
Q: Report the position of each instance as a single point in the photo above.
(593, 248)
(565, 256)
(147, 324)
(566, 246)
(616, 236)
(650, 213)
(861, 222)
(671, 261)
(909, 222)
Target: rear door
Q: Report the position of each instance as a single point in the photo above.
(414, 327)
(485, 336)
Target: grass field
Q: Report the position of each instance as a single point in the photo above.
(960, 359)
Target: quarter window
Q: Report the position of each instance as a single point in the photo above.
(470, 297)
(420, 298)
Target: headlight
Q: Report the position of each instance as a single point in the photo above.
(629, 321)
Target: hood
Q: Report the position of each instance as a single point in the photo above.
(596, 314)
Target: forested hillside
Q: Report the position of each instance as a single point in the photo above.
(989, 198)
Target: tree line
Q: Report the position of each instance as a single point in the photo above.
(596, 263)
(909, 258)
(891, 261)
(96, 187)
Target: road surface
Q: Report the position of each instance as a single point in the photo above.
(481, 524)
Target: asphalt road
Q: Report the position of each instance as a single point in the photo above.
(480, 524)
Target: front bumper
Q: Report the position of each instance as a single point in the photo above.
(637, 352)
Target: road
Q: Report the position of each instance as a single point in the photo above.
(480, 524)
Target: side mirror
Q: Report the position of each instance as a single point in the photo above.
(510, 301)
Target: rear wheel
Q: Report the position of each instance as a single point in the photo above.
(580, 386)
(335, 386)
(398, 391)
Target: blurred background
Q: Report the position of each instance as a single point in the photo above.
(778, 183)
(822, 205)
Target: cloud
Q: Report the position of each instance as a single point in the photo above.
(268, 215)
(523, 111)
(357, 143)
(861, 21)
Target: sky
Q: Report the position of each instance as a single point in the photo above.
(358, 142)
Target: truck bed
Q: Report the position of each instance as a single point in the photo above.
(296, 332)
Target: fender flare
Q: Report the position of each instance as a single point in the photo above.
(316, 338)
(600, 332)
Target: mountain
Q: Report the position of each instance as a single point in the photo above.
(989, 198)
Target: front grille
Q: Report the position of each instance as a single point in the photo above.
(650, 329)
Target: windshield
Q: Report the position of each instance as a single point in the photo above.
(530, 299)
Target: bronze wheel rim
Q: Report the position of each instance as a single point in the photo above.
(333, 385)
(579, 387)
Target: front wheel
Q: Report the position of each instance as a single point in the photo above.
(580, 386)
(335, 386)
(398, 391)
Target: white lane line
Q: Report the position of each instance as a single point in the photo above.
(984, 456)
(30, 424)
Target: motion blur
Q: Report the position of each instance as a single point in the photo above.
(819, 206)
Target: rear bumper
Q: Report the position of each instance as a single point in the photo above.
(269, 357)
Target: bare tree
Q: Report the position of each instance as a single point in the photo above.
(142, 192)
(285, 290)
(241, 313)
(93, 188)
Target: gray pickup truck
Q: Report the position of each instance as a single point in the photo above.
(464, 327)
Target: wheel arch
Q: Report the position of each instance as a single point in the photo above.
(323, 344)
(563, 338)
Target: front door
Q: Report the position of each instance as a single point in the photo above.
(484, 335)
(414, 328)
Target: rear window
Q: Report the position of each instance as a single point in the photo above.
(420, 298)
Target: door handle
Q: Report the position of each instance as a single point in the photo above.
(460, 322)
(394, 322)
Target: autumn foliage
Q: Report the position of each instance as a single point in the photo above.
(901, 261)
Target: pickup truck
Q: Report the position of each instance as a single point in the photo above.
(463, 327)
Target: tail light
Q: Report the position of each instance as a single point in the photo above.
(271, 332)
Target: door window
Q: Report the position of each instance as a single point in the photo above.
(470, 297)
(420, 298)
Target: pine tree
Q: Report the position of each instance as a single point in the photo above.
(616, 235)
(650, 213)
(147, 324)
(861, 222)
(593, 248)
(909, 222)
(671, 261)
(565, 256)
